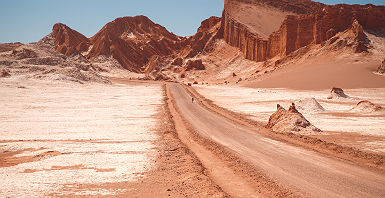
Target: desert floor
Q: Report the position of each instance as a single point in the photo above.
(135, 138)
(69, 140)
(339, 123)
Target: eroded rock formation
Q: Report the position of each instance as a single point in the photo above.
(298, 31)
(337, 93)
(203, 40)
(69, 41)
(290, 121)
(381, 68)
(24, 53)
(367, 107)
(309, 105)
(177, 62)
(133, 41)
(195, 65)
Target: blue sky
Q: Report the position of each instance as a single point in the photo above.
(29, 20)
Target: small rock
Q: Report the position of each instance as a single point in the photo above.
(4, 73)
(195, 64)
(381, 68)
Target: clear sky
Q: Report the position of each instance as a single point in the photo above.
(30, 20)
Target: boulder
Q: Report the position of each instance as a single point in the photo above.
(195, 64)
(290, 121)
(337, 93)
(161, 77)
(178, 62)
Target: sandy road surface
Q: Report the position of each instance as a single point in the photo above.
(296, 168)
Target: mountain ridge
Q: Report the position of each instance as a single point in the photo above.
(133, 41)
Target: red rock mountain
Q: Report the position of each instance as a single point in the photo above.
(298, 30)
(133, 41)
(202, 41)
(68, 41)
(261, 29)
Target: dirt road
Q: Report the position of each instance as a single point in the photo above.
(295, 168)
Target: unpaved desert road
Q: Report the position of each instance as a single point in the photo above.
(296, 168)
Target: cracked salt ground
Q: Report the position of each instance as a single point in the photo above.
(96, 137)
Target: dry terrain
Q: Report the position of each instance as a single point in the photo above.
(273, 99)
(276, 167)
(71, 140)
(339, 122)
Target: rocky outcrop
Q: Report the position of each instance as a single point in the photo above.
(5, 47)
(4, 73)
(381, 68)
(133, 41)
(177, 62)
(337, 93)
(204, 39)
(309, 105)
(290, 121)
(44, 61)
(367, 107)
(298, 31)
(195, 65)
(68, 41)
(24, 53)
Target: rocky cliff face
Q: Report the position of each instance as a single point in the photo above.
(295, 6)
(69, 41)
(298, 31)
(202, 41)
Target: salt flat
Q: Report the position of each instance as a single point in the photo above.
(259, 103)
(55, 137)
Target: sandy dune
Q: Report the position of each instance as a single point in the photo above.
(324, 73)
